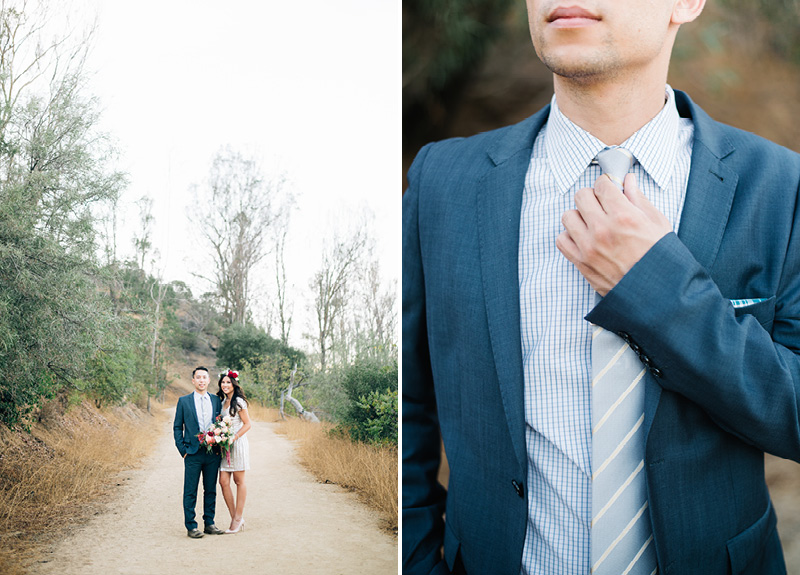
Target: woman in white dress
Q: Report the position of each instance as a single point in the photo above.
(234, 404)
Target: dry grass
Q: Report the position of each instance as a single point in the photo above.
(48, 477)
(261, 413)
(366, 469)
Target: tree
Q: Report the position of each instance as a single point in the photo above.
(54, 324)
(235, 211)
(51, 319)
(377, 317)
(330, 285)
(142, 238)
(247, 344)
(285, 308)
(286, 396)
(158, 291)
(355, 308)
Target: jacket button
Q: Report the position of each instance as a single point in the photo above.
(518, 488)
(657, 373)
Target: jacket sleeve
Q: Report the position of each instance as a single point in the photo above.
(423, 496)
(743, 370)
(177, 429)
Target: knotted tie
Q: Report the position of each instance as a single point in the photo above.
(621, 535)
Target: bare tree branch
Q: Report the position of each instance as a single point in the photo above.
(235, 213)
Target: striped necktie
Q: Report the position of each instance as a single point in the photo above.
(621, 533)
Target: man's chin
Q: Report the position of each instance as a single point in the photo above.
(579, 68)
(572, 57)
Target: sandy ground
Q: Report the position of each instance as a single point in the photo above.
(294, 524)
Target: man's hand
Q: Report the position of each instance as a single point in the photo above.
(610, 231)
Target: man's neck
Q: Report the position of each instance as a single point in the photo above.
(201, 393)
(611, 111)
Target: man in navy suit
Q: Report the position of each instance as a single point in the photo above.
(195, 412)
(506, 238)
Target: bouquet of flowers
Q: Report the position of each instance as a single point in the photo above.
(220, 434)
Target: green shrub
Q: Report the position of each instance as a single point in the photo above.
(378, 417)
(362, 378)
(371, 415)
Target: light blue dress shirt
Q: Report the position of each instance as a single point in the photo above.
(556, 340)
(205, 410)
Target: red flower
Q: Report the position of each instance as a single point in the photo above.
(232, 374)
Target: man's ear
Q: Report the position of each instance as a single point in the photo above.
(685, 11)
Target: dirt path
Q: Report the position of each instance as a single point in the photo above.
(783, 477)
(294, 524)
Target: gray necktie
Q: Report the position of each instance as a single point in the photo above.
(621, 533)
(204, 423)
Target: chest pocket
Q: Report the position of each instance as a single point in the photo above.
(763, 311)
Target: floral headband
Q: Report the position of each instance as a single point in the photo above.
(230, 373)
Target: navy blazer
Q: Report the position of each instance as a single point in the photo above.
(730, 377)
(186, 428)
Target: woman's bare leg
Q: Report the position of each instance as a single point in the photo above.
(241, 494)
(227, 492)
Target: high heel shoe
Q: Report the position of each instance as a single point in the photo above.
(239, 527)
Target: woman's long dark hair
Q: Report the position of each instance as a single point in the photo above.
(237, 392)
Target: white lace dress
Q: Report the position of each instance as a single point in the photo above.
(240, 451)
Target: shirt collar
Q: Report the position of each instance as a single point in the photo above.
(199, 396)
(570, 149)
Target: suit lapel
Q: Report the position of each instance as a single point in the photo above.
(499, 202)
(192, 410)
(709, 197)
(709, 193)
(217, 403)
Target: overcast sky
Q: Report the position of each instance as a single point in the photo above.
(311, 88)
